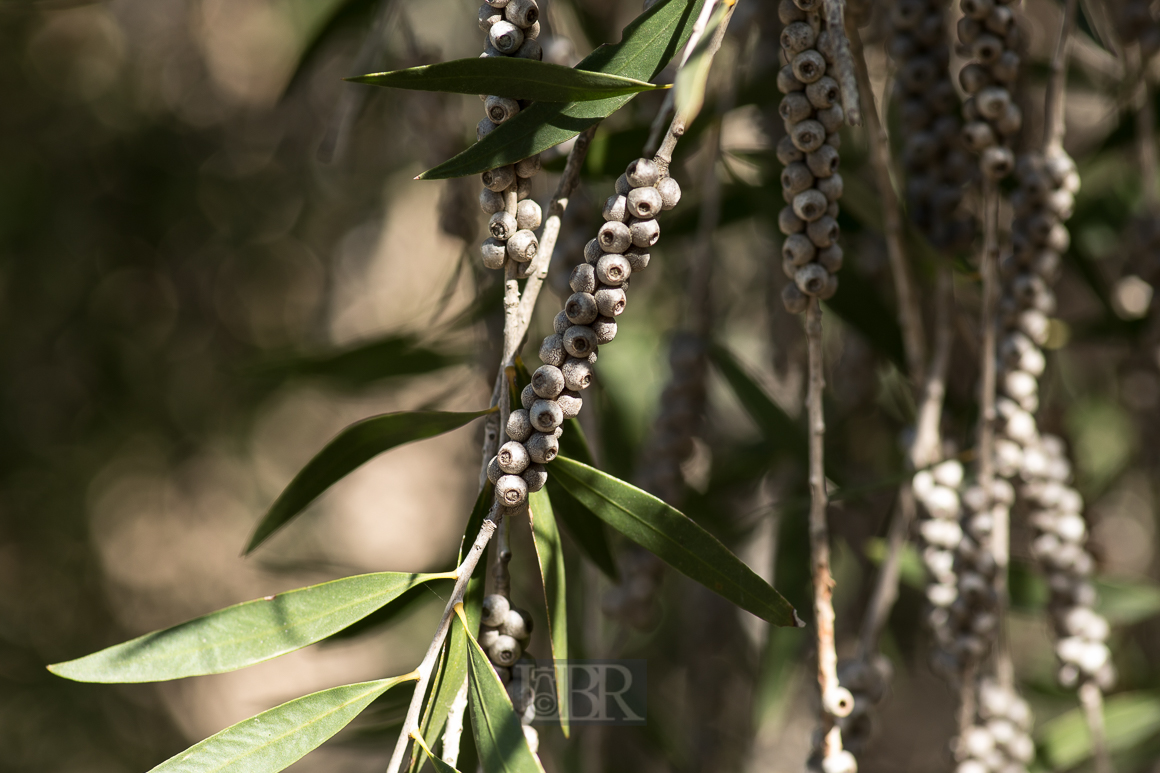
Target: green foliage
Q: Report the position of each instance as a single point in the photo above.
(689, 89)
(358, 366)
(277, 738)
(499, 736)
(350, 449)
(550, 556)
(1130, 718)
(503, 76)
(669, 534)
(648, 44)
(244, 634)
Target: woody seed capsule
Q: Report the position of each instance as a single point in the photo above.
(583, 279)
(642, 173)
(823, 162)
(494, 610)
(543, 447)
(670, 192)
(494, 251)
(811, 278)
(787, 83)
(528, 167)
(500, 109)
(644, 202)
(614, 237)
(528, 215)
(581, 309)
(545, 415)
(548, 381)
(794, 299)
(580, 341)
(831, 258)
(505, 37)
(605, 329)
(511, 490)
(810, 205)
(485, 127)
(570, 403)
(798, 249)
(637, 259)
(505, 651)
(488, 16)
(519, 427)
(831, 187)
(610, 301)
(498, 179)
(616, 208)
(522, 246)
(807, 136)
(531, 48)
(823, 93)
(789, 223)
(513, 458)
(795, 107)
(796, 178)
(807, 66)
(592, 251)
(644, 233)
(552, 351)
(528, 396)
(490, 201)
(494, 473)
(522, 13)
(823, 232)
(502, 226)
(535, 476)
(577, 374)
(613, 269)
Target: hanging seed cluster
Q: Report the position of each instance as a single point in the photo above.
(503, 635)
(937, 491)
(989, 39)
(999, 741)
(936, 165)
(587, 321)
(1059, 547)
(868, 681)
(512, 27)
(810, 182)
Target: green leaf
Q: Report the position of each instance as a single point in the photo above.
(588, 531)
(440, 765)
(1129, 719)
(689, 93)
(649, 42)
(361, 364)
(243, 634)
(778, 429)
(351, 448)
(277, 738)
(550, 555)
(673, 537)
(506, 76)
(451, 670)
(499, 736)
(344, 15)
(1127, 603)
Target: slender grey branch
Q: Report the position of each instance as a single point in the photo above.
(840, 43)
(886, 584)
(1092, 700)
(1055, 98)
(926, 448)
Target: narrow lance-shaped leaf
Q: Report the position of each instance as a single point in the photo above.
(673, 537)
(499, 736)
(510, 77)
(689, 89)
(1129, 718)
(649, 42)
(362, 363)
(350, 449)
(243, 634)
(440, 765)
(550, 556)
(277, 738)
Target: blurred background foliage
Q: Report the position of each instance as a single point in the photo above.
(212, 257)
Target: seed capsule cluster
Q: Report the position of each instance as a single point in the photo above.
(999, 741)
(1059, 547)
(512, 27)
(989, 39)
(868, 681)
(587, 321)
(503, 634)
(936, 165)
(810, 182)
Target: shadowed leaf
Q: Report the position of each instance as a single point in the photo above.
(673, 537)
(363, 363)
(244, 634)
(510, 77)
(550, 556)
(1130, 719)
(350, 449)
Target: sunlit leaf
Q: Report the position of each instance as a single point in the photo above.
(689, 89)
(511, 77)
(244, 634)
(350, 449)
(648, 44)
(1129, 718)
(674, 538)
(499, 736)
(550, 555)
(277, 738)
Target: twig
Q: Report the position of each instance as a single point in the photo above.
(667, 107)
(462, 575)
(926, 448)
(840, 44)
(1092, 700)
(989, 268)
(1054, 99)
(966, 717)
(819, 534)
(886, 584)
(664, 156)
(909, 315)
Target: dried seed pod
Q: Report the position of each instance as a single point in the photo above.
(577, 375)
(548, 381)
(512, 457)
(644, 233)
(546, 415)
(798, 250)
(823, 93)
(810, 205)
(522, 13)
(502, 226)
(580, 341)
(498, 179)
(614, 237)
(581, 308)
(610, 301)
(519, 427)
(644, 202)
(795, 178)
(616, 208)
(637, 259)
(605, 329)
(505, 37)
(822, 162)
(570, 402)
(536, 476)
(808, 66)
(500, 109)
(528, 215)
(528, 167)
(583, 279)
(613, 269)
(522, 246)
(808, 135)
(670, 192)
(511, 490)
(494, 252)
(552, 351)
(642, 173)
(811, 278)
(542, 447)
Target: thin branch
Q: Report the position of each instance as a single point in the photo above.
(926, 448)
(840, 45)
(967, 707)
(909, 315)
(819, 535)
(886, 584)
(669, 104)
(1092, 700)
(1056, 96)
(989, 268)
(462, 575)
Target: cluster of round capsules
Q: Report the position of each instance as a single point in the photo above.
(999, 741)
(933, 158)
(1135, 23)
(512, 27)
(503, 635)
(810, 182)
(989, 38)
(633, 601)
(1043, 200)
(1059, 547)
(937, 490)
(587, 321)
(868, 681)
